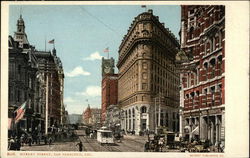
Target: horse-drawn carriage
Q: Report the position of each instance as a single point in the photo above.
(162, 141)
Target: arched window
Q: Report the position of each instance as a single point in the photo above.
(191, 33)
(143, 109)
(205, 65)
(133, 112)
(212, 63)
(220, 68)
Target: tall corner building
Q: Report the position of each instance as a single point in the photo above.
(109, 86)
(148, 84)
(203, 93)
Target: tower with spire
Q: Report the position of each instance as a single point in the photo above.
(20, 35)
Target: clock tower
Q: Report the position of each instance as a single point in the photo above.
(20, 36)
(109, 87)
(108, 66)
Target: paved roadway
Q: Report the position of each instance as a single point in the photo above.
(128, 144)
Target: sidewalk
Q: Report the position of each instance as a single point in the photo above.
(56, 146)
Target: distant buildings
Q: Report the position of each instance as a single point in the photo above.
(29, 71)
(92, 117)
(203, 82)
(109, 86)
(75, 118)
(148, 85)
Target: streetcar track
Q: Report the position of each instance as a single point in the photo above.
(128, 146)
(111, 148)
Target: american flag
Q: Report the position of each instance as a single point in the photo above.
(20, 112)
(52, 41)
(106, 50)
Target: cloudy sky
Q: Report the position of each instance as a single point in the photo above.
(81, 33)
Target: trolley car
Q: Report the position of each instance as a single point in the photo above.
(105, 136)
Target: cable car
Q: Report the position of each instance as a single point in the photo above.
(105, 136)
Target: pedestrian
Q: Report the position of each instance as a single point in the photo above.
(146, 146)
(30, 140)
(11, 144)
(50, 141)
(80, 145)
(18, 144)
(45, 140)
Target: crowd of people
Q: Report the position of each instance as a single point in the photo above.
(20, 137)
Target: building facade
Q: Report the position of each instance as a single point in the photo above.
(113, 114)
(202, 85)
(109, 86)
(92, 117)
(148, 85)
(26, 82)
(51, 67)
(28, 73)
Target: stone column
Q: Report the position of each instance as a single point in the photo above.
(132, 120)
(164, 117)
(216, 128)
(138, 120)
(147, 124)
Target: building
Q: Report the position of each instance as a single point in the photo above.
(202, 83)
(26, 82)
(113, 113)
(109, 86)
(29, 71)
(92, 117)
(148, 85)
(75, 118)
(50, 66)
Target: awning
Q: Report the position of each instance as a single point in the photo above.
(196, 131)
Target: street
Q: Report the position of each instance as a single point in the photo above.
(128, 144)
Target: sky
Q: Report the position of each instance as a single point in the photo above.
(81, 33)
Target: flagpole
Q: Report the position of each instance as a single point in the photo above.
(46, 108)
(45, 43)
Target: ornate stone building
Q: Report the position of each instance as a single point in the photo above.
(202, 94)
(148, 86)
(109, 86)
(29, 70)
(92, 117)
(51, 67)
(26, 82)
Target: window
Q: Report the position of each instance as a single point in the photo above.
(205, 67)
(143, 109)
(220, 65)
(212, 63)
(191, 33)
(18, 96)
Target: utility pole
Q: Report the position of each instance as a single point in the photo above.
(46, 106)
(155, 117)
(159, 113)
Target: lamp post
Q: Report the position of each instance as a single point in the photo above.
(155, 117)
